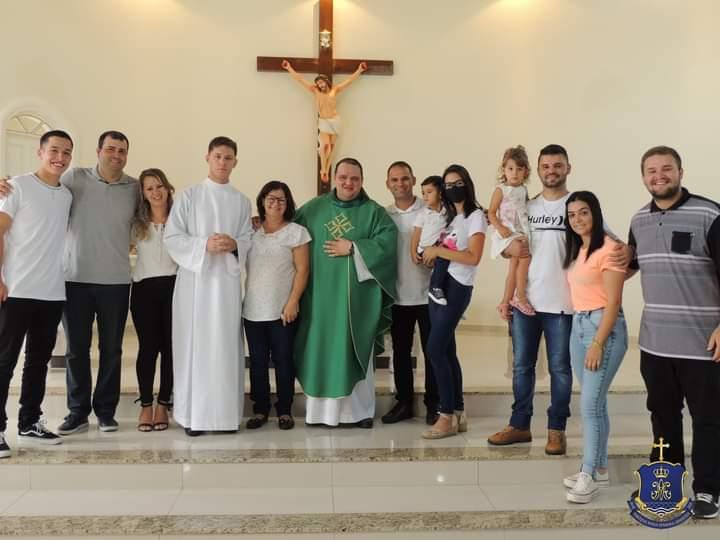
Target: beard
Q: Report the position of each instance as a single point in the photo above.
(669, 192)
(554, 182)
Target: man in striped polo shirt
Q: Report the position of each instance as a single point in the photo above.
(677, 250)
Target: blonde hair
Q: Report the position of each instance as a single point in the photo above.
(520, 157)
(141, 220)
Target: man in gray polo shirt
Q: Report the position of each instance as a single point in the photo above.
(97, 279)
(677, 250)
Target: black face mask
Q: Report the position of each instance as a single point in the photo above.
(455, 194)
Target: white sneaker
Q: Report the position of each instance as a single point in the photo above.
(584, 491)
(601, 479)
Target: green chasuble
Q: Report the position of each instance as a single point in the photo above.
(340, 317)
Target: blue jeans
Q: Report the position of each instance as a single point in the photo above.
(441, 344)
(594, 385)
(526, 333)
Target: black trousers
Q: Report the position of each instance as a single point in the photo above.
(268, 339)
(402, 331)
(109, 303)
(38, 320)
(151, 310)
(669, 381)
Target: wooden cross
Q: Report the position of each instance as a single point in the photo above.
(661, 446)
(325, 64)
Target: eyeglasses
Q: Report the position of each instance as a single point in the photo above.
(275, 200)
(459, 183)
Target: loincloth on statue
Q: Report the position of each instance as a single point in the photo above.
(329, 125)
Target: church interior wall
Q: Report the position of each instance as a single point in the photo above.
(607, 79)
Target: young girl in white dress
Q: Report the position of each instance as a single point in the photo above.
(509, 218)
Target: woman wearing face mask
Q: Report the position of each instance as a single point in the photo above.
(467, 224)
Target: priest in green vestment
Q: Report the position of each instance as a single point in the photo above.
(345, 309)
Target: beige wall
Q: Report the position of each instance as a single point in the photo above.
(606, 78)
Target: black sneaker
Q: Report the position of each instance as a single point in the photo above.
(107, 424)
(38, 433)
(437, 295)
(4, 448)
(706, 506)
(73, 424)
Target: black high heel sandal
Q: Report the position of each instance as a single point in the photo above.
(144, 427)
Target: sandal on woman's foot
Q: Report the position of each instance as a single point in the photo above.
(257, 421)
(523, 307)
(436, 433)
(286, 421)
(161, 421)
(145, 421)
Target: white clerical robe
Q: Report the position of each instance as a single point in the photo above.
(208, 356)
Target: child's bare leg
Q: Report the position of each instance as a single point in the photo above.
(521, 277)
(510, 280)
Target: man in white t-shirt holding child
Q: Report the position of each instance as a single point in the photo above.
(33, 224)
(549, 293)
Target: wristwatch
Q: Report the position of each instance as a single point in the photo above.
(352, 249)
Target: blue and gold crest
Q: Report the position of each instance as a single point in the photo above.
(660, 502)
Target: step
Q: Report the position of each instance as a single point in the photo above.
(315, 481)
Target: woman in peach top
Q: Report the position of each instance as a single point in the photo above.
(598, 340)
(326, 103)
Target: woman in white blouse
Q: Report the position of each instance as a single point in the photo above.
(151, 298)
(278, 266)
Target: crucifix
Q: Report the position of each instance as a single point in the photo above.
(662, 447)
(325, 65)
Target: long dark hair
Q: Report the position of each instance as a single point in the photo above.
(470, 203)
(272, 185)
(597, 235)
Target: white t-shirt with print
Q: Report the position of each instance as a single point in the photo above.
(433, 224)
(35, 244)
(461, 229)
(413, 279)
(547, 288)
(271, 271)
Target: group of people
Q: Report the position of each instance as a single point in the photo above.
(325, 282)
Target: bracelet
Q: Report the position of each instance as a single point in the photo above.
(598, 344)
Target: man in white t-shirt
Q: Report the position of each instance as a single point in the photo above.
(33, 221)
(411, 304)
(549, 294)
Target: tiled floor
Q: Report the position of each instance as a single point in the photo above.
(625, 430)
(300, 500)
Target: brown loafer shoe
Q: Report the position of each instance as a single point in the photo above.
(510, 435)
(556, 443)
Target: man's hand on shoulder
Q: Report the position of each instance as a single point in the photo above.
(621, 255)
(5, 187)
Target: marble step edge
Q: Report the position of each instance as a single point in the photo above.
(61, 456)
(324, 523)
(132, 391)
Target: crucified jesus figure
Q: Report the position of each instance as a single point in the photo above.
(326, 103)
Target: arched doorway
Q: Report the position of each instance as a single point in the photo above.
(22, 136)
